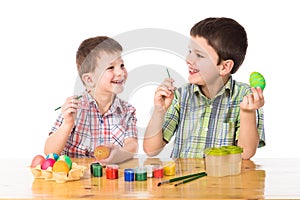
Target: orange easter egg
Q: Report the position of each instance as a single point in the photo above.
(60, 166)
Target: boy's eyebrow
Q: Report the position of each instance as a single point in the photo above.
(114, 62)
(198, 50)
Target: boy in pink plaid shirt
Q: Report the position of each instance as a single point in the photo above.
(99, 117)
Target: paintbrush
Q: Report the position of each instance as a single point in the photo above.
(75, 98)
(170, 77)
(189, 180)
(182, 177)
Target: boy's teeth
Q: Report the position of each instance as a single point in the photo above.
(193, 70)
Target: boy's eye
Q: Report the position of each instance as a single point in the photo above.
(110, 67)
(122, 65)
(199, 55)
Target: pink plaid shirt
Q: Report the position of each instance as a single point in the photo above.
(92, 129)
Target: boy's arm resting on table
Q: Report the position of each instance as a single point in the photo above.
(248, 137)
(56, 141)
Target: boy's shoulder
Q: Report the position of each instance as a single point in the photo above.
(187, 87)
(124, 105)
(240, 86)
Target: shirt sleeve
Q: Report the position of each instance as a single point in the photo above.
(57, 124)
(131, 130)
(260, 127)
(171, 120)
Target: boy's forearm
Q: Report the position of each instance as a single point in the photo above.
(153, 138)
(56, 142)
(248, 137)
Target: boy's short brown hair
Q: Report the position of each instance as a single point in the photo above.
(87, 55)
(226, 36)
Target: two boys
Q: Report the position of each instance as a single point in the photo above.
(211, 110)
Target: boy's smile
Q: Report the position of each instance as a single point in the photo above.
(193, 71)
(118, 82)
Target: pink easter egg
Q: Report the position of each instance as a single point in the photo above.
(48, 163)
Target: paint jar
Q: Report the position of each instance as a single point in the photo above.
(223, 161)
(235, 159)
(112, 171)
(169, 168)
(140, 174)
(91, 166)
(158, 171)
(96, 169)
(149, 169)
(129, 175)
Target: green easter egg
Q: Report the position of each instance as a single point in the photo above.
(257, 80)
(67, 159)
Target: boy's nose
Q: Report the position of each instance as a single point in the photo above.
(188, 59)
(119, 71)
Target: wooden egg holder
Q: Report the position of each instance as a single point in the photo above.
(75, 173)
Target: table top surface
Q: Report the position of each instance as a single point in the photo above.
(259, 179)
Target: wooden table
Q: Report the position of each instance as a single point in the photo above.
(260, 179)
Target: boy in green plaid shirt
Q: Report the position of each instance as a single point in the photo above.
(212, 110)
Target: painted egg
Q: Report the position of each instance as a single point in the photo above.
(37, 160)
(48, 163)
(52, 155)
(67, 159)
(61, 166)
(257, 80)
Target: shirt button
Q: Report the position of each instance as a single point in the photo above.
(211, 106)
(206, 129)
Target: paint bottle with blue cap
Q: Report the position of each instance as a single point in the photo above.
(129, 175)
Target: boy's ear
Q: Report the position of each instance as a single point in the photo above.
(88, 79)
(226, 67)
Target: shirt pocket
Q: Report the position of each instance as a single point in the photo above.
(118, 135)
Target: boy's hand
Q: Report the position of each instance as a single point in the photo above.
(69, 110)
(117, 155)
(164, 94)
(253, 101)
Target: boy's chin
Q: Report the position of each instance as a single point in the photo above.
(118, 89)
(195, 81)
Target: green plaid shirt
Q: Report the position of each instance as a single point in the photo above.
(198, 122)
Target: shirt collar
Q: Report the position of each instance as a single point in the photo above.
(227, 87)
(115, 107)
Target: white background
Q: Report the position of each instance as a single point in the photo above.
(39, 40)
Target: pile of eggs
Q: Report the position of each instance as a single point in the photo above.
(55, 167)
(52, 162)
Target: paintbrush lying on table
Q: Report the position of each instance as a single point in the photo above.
(187, 178)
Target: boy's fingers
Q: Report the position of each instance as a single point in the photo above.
(257, 93)
(250, 99)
